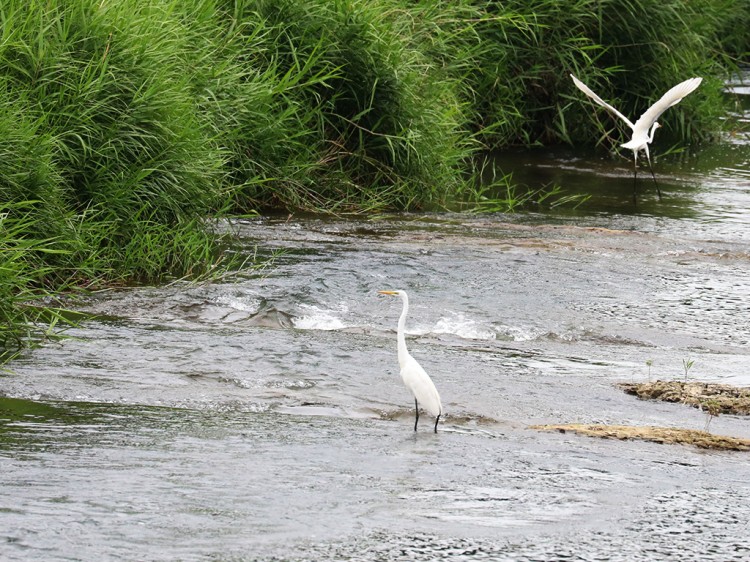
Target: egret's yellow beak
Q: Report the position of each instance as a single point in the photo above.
(387, 292)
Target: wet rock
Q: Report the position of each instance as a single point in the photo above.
(712, 397)
(666, 435)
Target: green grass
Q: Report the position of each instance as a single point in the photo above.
(108, 112)
(340, 112)
(22, 276)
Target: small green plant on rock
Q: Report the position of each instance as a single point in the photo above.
(687, 363)
(712, 408)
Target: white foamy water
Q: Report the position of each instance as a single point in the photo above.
(243, 303)
(518, 333)
(318, 319)
(459, 325)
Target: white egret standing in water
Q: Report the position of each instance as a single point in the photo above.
(414, 376)
(645, 127)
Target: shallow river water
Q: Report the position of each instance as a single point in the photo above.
(265, 419)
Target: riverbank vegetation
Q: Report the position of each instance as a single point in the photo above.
(127, 126)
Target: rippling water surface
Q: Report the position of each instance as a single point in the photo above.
(265, 418)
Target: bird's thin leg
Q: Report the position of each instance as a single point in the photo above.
(416, 407)
(437, 419)
(635, 177)
(650, 167)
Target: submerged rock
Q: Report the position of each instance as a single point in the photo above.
(667, 435)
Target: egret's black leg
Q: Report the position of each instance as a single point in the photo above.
(437, 419)
(650, 167)
(416, 407)
(635, 182)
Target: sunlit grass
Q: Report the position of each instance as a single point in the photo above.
(23, 276)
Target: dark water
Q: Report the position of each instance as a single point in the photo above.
(265, 418)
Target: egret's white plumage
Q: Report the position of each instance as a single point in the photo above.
(643, 130)
(414, 376)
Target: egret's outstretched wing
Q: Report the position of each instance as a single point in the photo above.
(586, 90)
(669, 99)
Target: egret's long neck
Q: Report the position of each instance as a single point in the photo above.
(653, 131)
(402, 353)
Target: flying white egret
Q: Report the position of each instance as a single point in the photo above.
(414, 376)
(645, 127)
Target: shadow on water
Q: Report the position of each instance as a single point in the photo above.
(46, 426)
(702, 183)
(607, 181)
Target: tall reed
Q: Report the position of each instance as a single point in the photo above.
(22, 275)
(102, 90)
(339, 110)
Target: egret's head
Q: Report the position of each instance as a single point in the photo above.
(656, 125)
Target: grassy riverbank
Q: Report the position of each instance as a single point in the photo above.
(126, 125)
